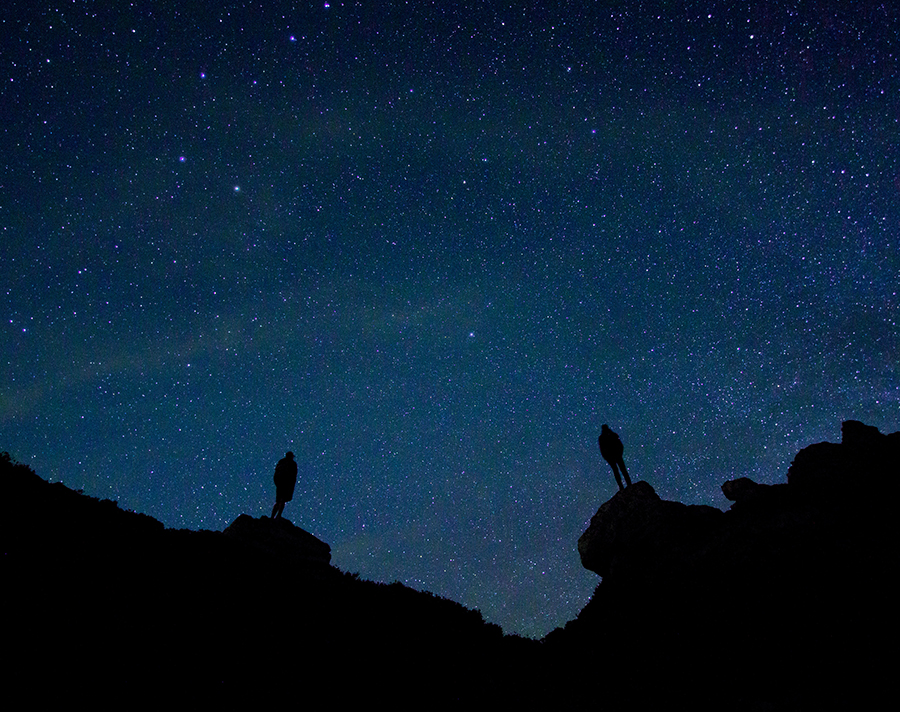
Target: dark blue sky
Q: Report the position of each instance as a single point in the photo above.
(431, 248)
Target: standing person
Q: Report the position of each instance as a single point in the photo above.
(611, 448)
(285, 479)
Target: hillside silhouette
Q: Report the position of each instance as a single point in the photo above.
(106, 602)
(785, 601)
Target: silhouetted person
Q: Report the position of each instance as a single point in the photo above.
(611, 448)
(285, 479)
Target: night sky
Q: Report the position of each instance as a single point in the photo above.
(431, 247)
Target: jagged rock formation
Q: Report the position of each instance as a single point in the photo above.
(636, 534)
(797, 579)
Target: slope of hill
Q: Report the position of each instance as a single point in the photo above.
(100, 602)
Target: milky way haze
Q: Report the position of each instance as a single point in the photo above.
(431, 248)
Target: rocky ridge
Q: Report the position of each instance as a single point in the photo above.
(796, 579)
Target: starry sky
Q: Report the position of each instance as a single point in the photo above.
(431, 247)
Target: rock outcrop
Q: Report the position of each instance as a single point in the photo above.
(279, 538)
(636, 531)
(800, 575)
(864, 456)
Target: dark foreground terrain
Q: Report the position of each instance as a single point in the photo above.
(785, 601)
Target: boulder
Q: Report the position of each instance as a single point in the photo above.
(742, 489)
(279, 538)
(636, 531)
